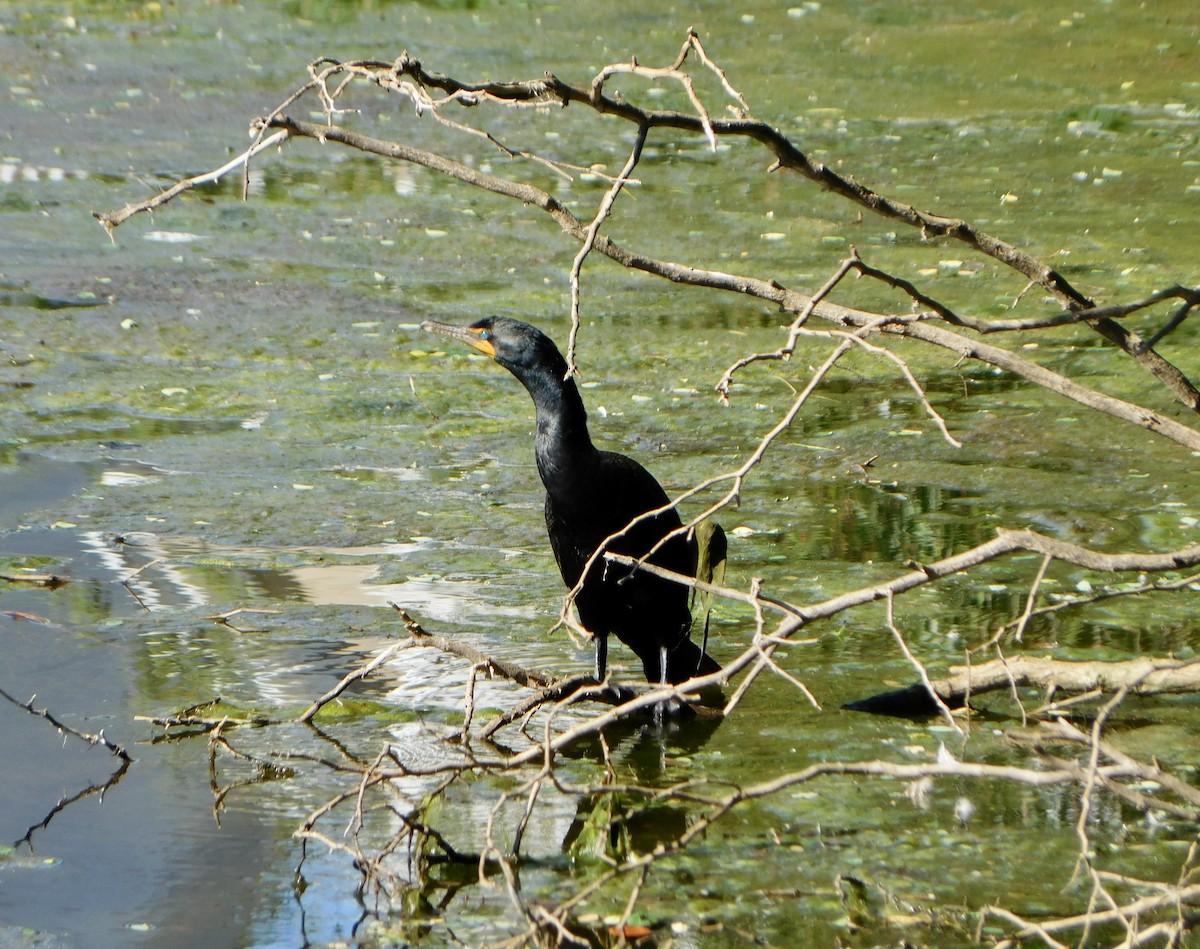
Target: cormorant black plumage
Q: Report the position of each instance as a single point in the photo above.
(590, 495)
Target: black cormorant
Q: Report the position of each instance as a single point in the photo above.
(590, 495)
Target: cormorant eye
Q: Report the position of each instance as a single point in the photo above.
(484, 334)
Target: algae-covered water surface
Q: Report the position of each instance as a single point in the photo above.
(226, 450)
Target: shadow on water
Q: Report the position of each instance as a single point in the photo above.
(18, 297)
(110, 430)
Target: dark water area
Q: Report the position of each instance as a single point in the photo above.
(225, 436)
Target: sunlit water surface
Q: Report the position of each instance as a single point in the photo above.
(229, 409)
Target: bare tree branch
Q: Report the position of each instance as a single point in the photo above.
(523, 775)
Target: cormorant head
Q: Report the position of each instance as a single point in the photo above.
(520, 348)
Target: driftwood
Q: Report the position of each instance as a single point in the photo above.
(1143, 676)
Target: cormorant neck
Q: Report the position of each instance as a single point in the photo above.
(563, 443)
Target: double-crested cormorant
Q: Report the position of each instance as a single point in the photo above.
(590, 495)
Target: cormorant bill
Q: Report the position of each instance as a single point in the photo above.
(590, 495)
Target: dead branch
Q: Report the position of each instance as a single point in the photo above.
(602, 213)
(194, 717)
(529, 678)
(789, 157)
(1126, 913)
(1060, 730)
(407, 77)
(942, 707)
(771, 291)
(110, 222)
(1114, 311)
(523, 778)
(351, 677)
(64, 729)
(1006, 542)
(1142, 676)
(718, 807)
(419, 637)
(1155, 585)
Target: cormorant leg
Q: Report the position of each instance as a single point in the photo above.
(601, 641)
(663, 653)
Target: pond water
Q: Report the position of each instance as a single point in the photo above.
(230, 408)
